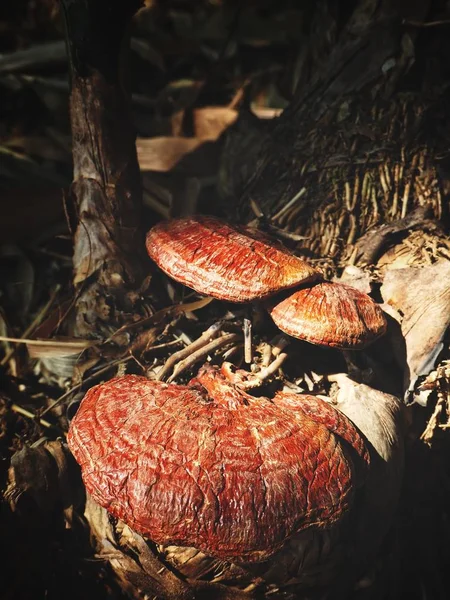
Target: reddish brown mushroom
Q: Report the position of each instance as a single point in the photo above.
(208, 466)
(240, 265)
(330, 314)
(225, 261)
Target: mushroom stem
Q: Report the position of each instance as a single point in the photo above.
(279, 343)
(248, 354)
(266, 354)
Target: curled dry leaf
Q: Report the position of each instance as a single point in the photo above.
(356, 277)
(41, 473)
(381, 418)
(330, 314)
(144, 572)
(422, 297)
(225, 261)
(208, 466)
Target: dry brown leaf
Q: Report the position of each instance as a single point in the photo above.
(211, 122)
(41, 473)
(54, 319)
(422, 297)
(163, 153)
(134, 563)
(355, 277)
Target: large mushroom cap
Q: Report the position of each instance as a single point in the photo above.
(224, 261)
(208, 466)
(330, 314)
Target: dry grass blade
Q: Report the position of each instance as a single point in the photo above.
(248, 353)
(26, 413)
(53, 347)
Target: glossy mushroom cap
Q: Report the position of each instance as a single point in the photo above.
(330, 314)
(225, 261)
(208, 466)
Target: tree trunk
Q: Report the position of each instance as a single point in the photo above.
(105, 194)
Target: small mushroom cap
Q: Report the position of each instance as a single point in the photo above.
(330, 314)
(208, 466)
(225, 261)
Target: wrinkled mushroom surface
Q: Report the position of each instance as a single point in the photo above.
(225, 261)
(208, 466)
(330, 314)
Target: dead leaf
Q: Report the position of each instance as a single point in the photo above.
(163, 153)
(382, 419)
(42, 474)
(62, 346)
(59, 366)
(355, 277)
(422, 297)
(211, 122)
(265, 112)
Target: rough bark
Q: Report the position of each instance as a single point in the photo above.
(364, 140)
(105, 194)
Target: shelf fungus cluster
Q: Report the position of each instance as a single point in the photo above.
(239, 264)
(208, 466)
